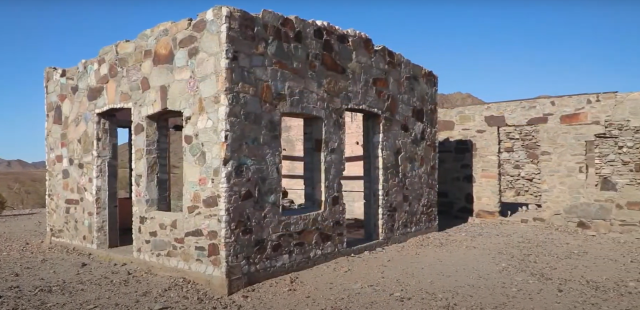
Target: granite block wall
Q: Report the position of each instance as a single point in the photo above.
(228, 77)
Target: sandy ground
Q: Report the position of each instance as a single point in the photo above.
(489, 265)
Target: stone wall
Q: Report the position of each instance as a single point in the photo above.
(571, 139)
(518, 162)
(618, 157)
(231, 76)
(177, 67)
(286, 65)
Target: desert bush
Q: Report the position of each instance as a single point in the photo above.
(3, 203)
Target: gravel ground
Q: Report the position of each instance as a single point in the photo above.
(488, 265)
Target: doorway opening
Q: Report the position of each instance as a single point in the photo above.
(455, 182)
(114, 143)
(125, 202)
(360, 182)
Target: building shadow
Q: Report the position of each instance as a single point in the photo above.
(18, 214)
(455, 182)
(508, 209)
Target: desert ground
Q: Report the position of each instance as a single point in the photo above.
(482, 265)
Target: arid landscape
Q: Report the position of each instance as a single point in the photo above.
(486, 265)
(23, 183)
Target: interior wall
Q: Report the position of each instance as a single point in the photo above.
(293, 160)
(353, 177)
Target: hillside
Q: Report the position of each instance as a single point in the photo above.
(457, 99)
(23, 189)
(20, 165)
(23, 183)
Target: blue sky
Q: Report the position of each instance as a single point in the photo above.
(496, 50)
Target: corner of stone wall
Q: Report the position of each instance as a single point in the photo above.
(223, 15)
(51, 81)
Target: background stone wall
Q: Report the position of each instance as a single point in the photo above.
(574, 155)
(289, 65)
(518, 161)
(617, 167)
(618, 157)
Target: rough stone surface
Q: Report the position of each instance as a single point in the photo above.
(617, 157)
(228, 77)
(589, 211)
(519, 164)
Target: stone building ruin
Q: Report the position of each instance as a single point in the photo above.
(575, 159)
(222, 113)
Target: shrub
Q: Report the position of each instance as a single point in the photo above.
(3, 203)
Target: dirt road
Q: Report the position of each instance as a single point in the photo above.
(474, 266)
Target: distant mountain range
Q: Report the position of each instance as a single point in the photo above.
(457, 99)
(23, 183)
(21, 165)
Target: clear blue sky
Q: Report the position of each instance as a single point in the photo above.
(496, 50)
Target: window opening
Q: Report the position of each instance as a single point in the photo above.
(301, 140)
